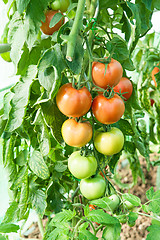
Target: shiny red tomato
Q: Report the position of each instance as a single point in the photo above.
(45, 25)
(154, 71)
(73, 102)
(124, 85)
(76, 134)
(110, 77)
(108, 111)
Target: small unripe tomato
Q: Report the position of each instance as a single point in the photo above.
(109, 143)
(154, 71)
(129, 205)
(124, 86)
(114, 202)
(76, 134)
(110, 77)
(93, 188)
(61, 5)
(45, 25)
(108, 111)
(82, 167)
(73, 102)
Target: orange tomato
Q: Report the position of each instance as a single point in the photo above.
(110, 77)
(76, 134)
(124, 85)
(108, 111)
(45, 25)
(73, 102)
(154, 71)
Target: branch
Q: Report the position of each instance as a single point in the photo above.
(5, 48)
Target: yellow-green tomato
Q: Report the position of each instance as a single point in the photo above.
(129, 205)
(109, 143)
(61, 5)
(93, 188)
(82, 167)
(114, 202)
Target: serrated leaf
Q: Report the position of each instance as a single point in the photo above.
(23, 197)
(55, 197)
(154, 232)
(56, 18)
(150, 193)
(21, 175)
(132, 199)
(8, 227)
(154, 205)
(126, 28)
(86, 235)
(60, 167)
(6, 104)
(156, 4)
(125, 127)
(112, 232)
(129, 147)
(21, 5)
(11, 214)
(132, 217)
(21, 159)
(101, 217)
(63, 216)
(38, 165)
(38, 201)
(2, 237)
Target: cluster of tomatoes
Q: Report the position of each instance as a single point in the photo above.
(55, 7)
(107, 109)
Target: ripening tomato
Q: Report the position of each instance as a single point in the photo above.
(45, 25)
(76, 134)
(110, 77)
(109, 143)
(154, 71)
(124, 85)
(93, 188)
(82, 167)
(152, 101)
(61, 5)
(73, 102)
(108, 111)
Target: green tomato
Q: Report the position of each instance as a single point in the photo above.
(93, 188)
(109, 143)
(113, 203)
(129, 205)
(122, 218)
(80, 166)
(61, 5)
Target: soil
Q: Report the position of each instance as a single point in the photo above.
(139, 231)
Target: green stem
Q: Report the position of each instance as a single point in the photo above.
(75, 232)
(40, 225)
(158, 179)
(143, 214)
(77, 24)
(6, 88)
(5, 48)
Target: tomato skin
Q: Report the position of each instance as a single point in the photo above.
(109, 143)
(93, 188)
(45, 25)
(108, 111)
(113, 74)
(113, 204)
(124, 85)
(72, 102)
(82, 167)
(61, 5)
(152, 101)
(76, 134)
(154, 71)
(129, 205)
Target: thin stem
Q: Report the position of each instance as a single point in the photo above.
(93, 228)
(40, 225)
(5, 48)
(143, 214)
(75, 193)
(75, 232)
(77, 24)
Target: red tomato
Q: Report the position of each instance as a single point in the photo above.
(154, 71)
(73, 102)
(152, 101)
(108, 111)
(76, 134)
(110, 78)
(45, 25)
(124, 85)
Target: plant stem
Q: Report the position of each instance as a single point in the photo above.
(40, 225)
(5, 48)
(77, 24)
(143, 214)
(75, 232)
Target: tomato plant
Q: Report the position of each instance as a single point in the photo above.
(108, 111)
(46, 29)
(124, 87)
(93, 188)
(73, 102)
(61, 5)
(81, 166)
(106, 77)
(110, 142)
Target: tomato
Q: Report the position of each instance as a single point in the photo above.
(152, 101)
(80, 166)
(124, 85)
(91, 207)
(93, 188)
(109, 143)
(111, 232)
(111, 76)
(72, 102)
(129, 205)
(108, 111)
(76, 134)
(113, 203)
(61, 5)
(122, 218)
(154, 71)
(45, 25)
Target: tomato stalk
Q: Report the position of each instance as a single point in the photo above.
(77, 24)
(40, 225)
(5, 48)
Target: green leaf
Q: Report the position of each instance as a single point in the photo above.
(6, 104)
(55, 197)
(101, 217)
(156, 4)
(63, 216)
(21, 175)
(126, 28)
(154, 205)
(129, 147)
(24, 197)
(147, 3)
(132, 217)
(150, 193)
(56, 18)
(38, 201)
(11, 214)
(60, 167)
(21, 5)
(132, 199)
(53, 118)
(154, 232)
(8, 227)
(112, 232)
(21, 159)
(20, 100)
(86, 235)
(2, 237)
(125, 127)
(59, 233)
